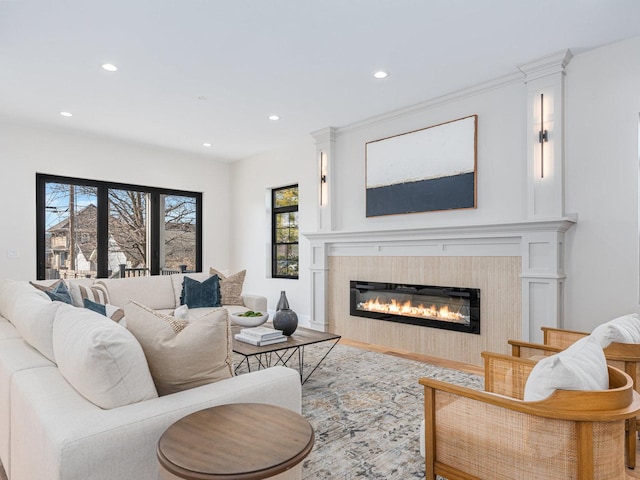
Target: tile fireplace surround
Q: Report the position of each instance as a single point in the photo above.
(518, 267)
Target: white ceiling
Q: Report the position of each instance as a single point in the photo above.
(195, 71)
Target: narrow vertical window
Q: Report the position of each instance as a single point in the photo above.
(71, 226)
(178, 235)
(284, 233)
(128, 231)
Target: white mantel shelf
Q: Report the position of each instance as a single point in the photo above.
(485, 230)
(539, 243)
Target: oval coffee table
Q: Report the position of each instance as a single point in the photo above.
(244, 441)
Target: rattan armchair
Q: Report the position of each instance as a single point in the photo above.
(494, 434)
(624, 356)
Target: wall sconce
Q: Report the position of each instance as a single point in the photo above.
(543, 135)
(323, 178)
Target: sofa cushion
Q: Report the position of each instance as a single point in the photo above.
(100, 359)
(230, 287)
(196, 294)
(582, 366)
(96, 292)
(198, 354)
(110, 311)
(31, 312)
(177, 280)
(625, 329)
(156, 291)
(57, 291)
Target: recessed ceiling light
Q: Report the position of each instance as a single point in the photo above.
(274, 117)
(381, 74)
(109, 67)
(206, 144)
(66, 114)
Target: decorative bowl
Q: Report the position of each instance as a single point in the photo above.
(237, 319)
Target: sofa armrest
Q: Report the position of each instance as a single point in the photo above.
(75, 439)
(257, 303)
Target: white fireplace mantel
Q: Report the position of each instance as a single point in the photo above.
(539, 243)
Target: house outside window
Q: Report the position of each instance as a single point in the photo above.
(284, 232)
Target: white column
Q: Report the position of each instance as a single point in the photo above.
(325, 146)
(542, 283)
(545, 112)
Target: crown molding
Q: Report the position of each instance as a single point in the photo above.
(479, 89)
(548, 65)
(324, 135)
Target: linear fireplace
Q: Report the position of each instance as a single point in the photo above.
(450, 308)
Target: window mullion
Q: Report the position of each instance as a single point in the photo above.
(102, 270)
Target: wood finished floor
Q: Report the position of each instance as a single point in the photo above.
(441, 362)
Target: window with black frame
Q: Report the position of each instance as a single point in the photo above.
(94, 229)
(284, 232)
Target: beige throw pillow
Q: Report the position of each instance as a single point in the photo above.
(230, 287)
(96, 293)
(182, 355)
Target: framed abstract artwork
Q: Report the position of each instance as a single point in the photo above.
(425, 170)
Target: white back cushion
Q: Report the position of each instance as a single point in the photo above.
(32, 312)
(101, 359)
(155, 291)
(9, 292)
(582, 366)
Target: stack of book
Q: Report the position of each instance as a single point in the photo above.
(260, 336)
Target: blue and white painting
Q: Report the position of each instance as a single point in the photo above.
(425, 170)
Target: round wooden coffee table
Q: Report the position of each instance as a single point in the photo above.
(237, 441)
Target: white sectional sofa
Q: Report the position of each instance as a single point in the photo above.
(49, 431)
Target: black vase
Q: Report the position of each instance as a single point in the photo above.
(283, 303)
(285, 319)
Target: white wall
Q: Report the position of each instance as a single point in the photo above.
(500, 164)
(251, 180)
(603, 107)
(28, 150)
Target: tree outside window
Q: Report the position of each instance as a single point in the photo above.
(285, 261)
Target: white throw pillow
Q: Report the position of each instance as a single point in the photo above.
(101, 359)
(182, 312)
(582, 366)
(624, 329)
(183, 354)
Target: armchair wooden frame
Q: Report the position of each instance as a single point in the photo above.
(624, 356)
(493, 434)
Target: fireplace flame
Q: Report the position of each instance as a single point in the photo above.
(407, 309)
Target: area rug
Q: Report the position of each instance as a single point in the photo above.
(366, 409)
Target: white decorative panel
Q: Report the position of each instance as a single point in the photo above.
(539, 253)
